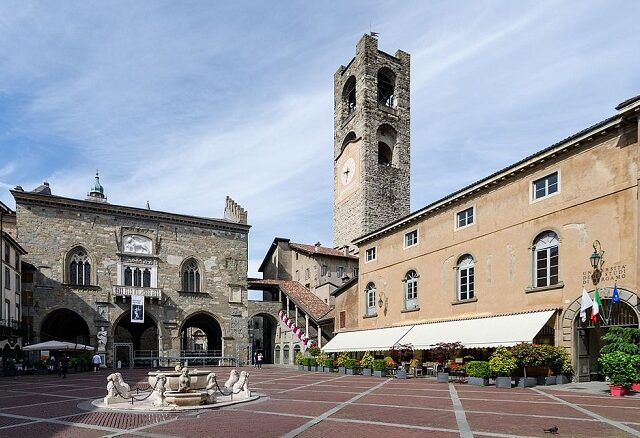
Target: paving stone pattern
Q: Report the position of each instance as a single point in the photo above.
(318, 405)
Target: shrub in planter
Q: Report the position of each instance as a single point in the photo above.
(379, 368)
(300, 360)
(328, 365)
(527, 356)
(349, 365)
(624, 339)
(502, 364)
(620, 368)
(367, 363)
(478, 372)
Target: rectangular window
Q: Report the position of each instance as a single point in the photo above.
(297, 275)
(17, 262)
(355, 272)
(17, 283)
(343, 319)
(340, 272)
(6, 252)
(411, 238)
(464, 217)
(7, 310)
(306, 274)
(7, 278)
(545, 186)
(296, 256)
(466, 287)
(324, 270)
(370, 254)
(547, 266)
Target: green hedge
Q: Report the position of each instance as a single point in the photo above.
(379, 365)
(350, 363)
(479, 368)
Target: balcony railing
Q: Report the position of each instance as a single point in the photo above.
(11, 327)
(147, 292)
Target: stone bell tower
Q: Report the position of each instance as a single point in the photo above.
(371, 141)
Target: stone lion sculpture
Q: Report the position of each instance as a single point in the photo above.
(161, 388)
(233, 378)
(117, 389)
(211, 388)
(241, 387)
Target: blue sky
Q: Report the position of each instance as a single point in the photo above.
(183, 103)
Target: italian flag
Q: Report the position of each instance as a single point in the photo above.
(597, 304)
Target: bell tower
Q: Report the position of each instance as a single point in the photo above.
(371, 141)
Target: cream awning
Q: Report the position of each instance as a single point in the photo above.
(492, 331)
(366, 340)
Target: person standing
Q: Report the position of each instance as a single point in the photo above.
(97, 361)
(255, 359)
(64, 365)
(260, 360)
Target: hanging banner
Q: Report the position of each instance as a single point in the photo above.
(137, 308)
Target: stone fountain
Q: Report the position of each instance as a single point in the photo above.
(177, 390)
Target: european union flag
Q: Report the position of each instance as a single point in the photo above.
(615, 298)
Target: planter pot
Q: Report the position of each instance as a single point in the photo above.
(478, 381)
(541, 380)
(526, 382)
(350, 371)
(301, 367)
(366, 371)
(327, 369)
(635, 386)
(561, 379)
(341, 370)
(551, 380)
(381, 373)
(401, 374)
(443, 377)
(618, 391)
(503, 382)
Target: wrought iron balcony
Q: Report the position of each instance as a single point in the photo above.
(128, 291)
(11, 327)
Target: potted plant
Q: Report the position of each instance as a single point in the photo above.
(300, 360)
(379, 368)
(478, 372)
(401, 354)
(349, 365)
(367, 363)
(502, 364)
(342, 357)
(442, 352)
(527, 356)
(320, 361)
(39, 367)
(620, 368)
(328, 365)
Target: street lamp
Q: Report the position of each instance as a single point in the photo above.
(597, 260)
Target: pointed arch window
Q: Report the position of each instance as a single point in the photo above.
(545, 259)
(80, 268)
(191, 277)
(370, 296)
(411, 290)
(466, 278)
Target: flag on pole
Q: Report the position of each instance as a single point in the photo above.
(585, 303)
(597, 304)
(615, 298)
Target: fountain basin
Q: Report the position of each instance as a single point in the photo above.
(198, 379)
(189, 398)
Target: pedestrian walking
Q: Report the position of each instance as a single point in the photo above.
(255, 359)
(97, 361)
(260, 360)
(64, 365)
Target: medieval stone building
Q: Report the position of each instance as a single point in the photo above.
(88, 258)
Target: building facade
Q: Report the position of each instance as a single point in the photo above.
(371, 141)
(518, 242)
(12, 331)
(89, 258)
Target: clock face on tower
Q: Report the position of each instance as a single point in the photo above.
(348, 172)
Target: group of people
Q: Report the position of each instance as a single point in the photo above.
(257, 359)
(63, 365)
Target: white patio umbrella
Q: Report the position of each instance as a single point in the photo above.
(57, 345)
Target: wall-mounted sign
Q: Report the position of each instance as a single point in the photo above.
(609, 274)
(137, 308)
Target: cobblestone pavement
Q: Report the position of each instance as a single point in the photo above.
(309, 404)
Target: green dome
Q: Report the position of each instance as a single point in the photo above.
(96, 187)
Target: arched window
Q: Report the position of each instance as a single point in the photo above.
(545, 259)
(387, 137)
(80, 268)
(466, 278)
(370, 296)
(386, 86)
(191, 277)
(286, 357)
(349, 95)
(276, 359)
(411, 290)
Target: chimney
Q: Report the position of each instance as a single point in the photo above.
(234, 212)
(345, 249)
(318, 246)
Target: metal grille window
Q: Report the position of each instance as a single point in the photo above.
(370, 293)
(545, 186)
(546, 259)
(80, 269)
(465, 217)
(466, 280)
(411, 238)
(411, 290)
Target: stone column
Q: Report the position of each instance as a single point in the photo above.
(319, 337)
